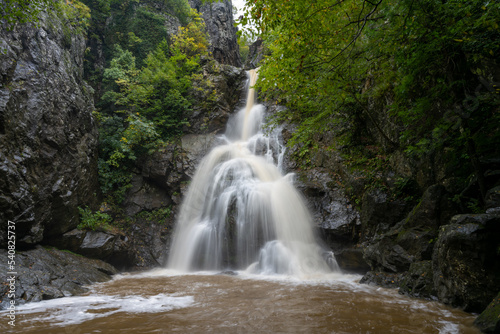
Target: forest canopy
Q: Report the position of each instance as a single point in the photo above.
(421, 73)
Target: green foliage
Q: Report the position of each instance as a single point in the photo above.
(75, 14)
(244, 42)
(93, 221)
(158, 215)
(427, 61)
(136, 25)
(21, 11)
(122, 142)
(146, 106)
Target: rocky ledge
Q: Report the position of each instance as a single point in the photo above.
(48, 273)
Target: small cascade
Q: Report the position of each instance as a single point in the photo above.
(242, 213)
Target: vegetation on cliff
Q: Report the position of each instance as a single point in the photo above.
(144, 88)
(412, 76)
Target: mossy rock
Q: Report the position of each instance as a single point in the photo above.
(489, 320)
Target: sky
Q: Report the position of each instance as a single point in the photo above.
(239, 4)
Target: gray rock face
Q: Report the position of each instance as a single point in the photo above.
(379, 214)
(211, 113)
(255, 54)
(50, 273)
(219, 21)
(418, 282)
(466, 261)
(48, 138)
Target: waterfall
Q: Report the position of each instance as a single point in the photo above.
(241, 212)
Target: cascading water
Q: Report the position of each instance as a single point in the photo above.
(240, 212)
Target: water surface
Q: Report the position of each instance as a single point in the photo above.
(162, 301)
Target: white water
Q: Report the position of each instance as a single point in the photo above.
(241, 212)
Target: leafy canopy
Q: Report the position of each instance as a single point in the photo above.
(417, 63)
(147, 106)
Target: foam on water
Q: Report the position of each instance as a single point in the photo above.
(76, 310)
(242, 213)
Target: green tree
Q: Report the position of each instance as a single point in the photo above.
(21, 11)
(149, 105)
(332, 63)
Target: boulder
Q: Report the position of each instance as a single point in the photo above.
(47, 273)
(386, 255)
(412, 239)
(492, 200)
(466, 261)
(435, 208)
(383, 279)
(418, 281)
(489, 320)
(379, 213)
(351, 260)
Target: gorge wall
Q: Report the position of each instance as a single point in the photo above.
(49, 139)
(218, 17)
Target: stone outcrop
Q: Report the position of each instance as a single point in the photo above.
(48, 137)
(219, 21)
(255, 54)
(489, 320)
(466, 261)
(211, 113)
(48, 273)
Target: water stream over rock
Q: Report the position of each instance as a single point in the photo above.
(241, 212)
(244, 218)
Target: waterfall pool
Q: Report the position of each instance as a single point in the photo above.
(163, 301)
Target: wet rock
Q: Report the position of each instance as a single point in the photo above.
(211, 112)
(334, 215)
(195, 148)
(466, 261)
(51, 273)
(386, 255)
(219, 21)
(139, 246)
(489, 320)
(351, 260)
(492, 199)
(255, 54)
(383, 279)
(418, 281)
(410, 240)
(145, 195)
(434, 209)
(48, 161)
(228, 273)
(379, 213)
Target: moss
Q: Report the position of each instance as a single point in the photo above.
(489, 320)
(66, 36)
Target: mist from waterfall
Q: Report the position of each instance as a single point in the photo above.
(242, 213)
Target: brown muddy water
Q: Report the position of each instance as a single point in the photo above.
(162, 301)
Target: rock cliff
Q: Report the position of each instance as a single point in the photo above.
(219, 20)
(48, 160)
